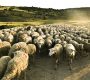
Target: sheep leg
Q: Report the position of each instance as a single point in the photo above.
(25, 75)
(33, 58)
(56, 63)
(38, 53)
(29, 63)
(70, 63)
(86, 53)
(18, 75)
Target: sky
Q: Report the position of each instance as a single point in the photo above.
(56, 4)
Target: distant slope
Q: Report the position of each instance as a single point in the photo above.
(18, 14)
(79, 13)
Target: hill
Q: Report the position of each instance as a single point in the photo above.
(25, 14)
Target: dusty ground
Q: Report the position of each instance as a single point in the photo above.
(44, 69)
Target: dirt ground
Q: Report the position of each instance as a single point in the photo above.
(44, 69)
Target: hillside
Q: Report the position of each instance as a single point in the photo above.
(26, 14)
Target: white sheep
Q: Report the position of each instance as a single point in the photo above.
(49, 41)
(78, 47)
(31, 52)
(24, 37)
(39, 41)
(56, 51)
(62, 37)
(31, 48)
(18, 46)
(35, 34)
(8, 37)
(57, 41)
(16, 65)
(70, 52)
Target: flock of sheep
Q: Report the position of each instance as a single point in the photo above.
(18, 44)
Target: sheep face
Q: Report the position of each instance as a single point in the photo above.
(81, 46)
(50, 44)
(40, 43)
(71, 52)
(64, 43)
(52, 51)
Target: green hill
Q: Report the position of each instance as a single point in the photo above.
(20, 14)
(26, 14)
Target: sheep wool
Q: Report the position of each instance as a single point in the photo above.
(16, 65)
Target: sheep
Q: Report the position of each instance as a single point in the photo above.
(70, 52)
(8, 37)
(78, 47)
(13, 32)
(28, 39)
(2, 36)
(4, 48)
(87, 47)
(3, 64)
(68, 39)
(83, 35)
(87, 40)
(29, 33)
(49, 41)
(39, 41)
(57, 41)
(32, 49)
(64, 43)
(16, 65)
(32, 52)
(18, 46)
(34, 34)
(24, 37)
(56, 51)
(62, 37)
(80, 40)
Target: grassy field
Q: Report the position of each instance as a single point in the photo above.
(38, 22)
(43, 22)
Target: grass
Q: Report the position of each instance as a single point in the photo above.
(37, 22)
(42, 22)
(21, 23)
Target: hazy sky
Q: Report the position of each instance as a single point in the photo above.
(57, 4)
